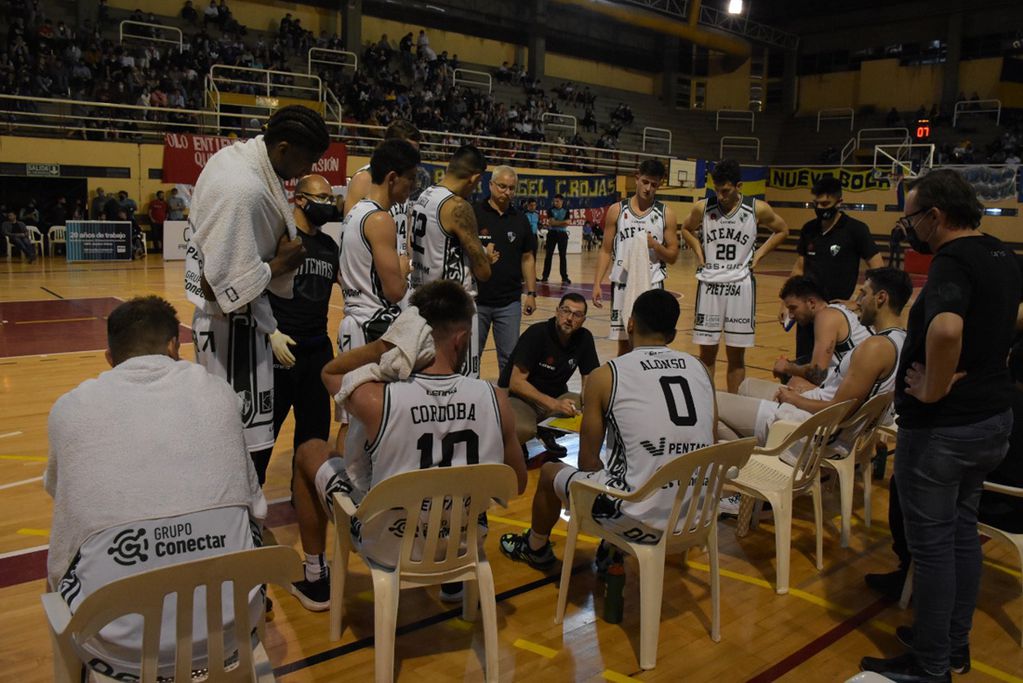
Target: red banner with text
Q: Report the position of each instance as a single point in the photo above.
(185, 155)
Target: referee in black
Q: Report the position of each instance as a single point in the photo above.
(300, 344)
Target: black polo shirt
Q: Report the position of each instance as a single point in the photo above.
(833, 259)
(512, 237)
(549, 364)
(304, 316)
(978, 279)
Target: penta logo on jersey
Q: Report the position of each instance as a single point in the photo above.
(130, 547)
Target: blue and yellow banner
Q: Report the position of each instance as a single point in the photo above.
(853, 180)
(754, 179)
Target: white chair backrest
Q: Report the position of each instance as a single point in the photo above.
(814, 434)
(34, 233)
(144, 593)
(864, 422)
(697, 479)
(58, 233)
(451, 497)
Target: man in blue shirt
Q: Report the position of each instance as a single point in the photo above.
(533, 216)
(557, 237)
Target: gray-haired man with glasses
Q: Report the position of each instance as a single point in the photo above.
(546, 356)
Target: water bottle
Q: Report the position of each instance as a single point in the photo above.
(614, 593)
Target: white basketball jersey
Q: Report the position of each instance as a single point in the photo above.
(728, 241)
(628, 226)
(400, 213)
(432, 421)
(360, 284)
(857, 333)
(661, 407)
(436, 253)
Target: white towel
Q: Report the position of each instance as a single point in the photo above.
(239, 212)
(149, 439)
(413, 350)
(636, 264)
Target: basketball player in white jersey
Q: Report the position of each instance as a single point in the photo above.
(726, 255)
(655, 404)
(435, 418)
(869, 370)
(640, 217)
(836, 332)
(445, 239)
(359, 185)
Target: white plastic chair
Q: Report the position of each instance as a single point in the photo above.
(144, 594)
(865, 422)
(1015, 540)
(706, 470)
(57, 235)
(468, 491)
(767, 478)
(36, 238)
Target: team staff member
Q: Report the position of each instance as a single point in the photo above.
(544, 359)
(557, 237)
(830, 249)
(499, 300)
(953, 396)
(300, 343)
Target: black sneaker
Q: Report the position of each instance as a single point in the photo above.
(543, 280)
(889, 585)
(314, 595)
(451, 592)
(902, 669)
(958, 658)
(606, 556)
(550, 442)
(565, 281)
(516, 546)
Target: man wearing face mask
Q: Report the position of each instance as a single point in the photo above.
(300, 344)
(830, 249)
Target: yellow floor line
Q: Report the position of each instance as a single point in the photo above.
(1002, 568)
(995, 673)
(28, 458)
(616, 677)
(33, 532)
(459, 624)
(525, 525)
(58, 320)
(535, 648)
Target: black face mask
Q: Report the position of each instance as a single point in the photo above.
(826, 214)
(318, 214)
(919, 246)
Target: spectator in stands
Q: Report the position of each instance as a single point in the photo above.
(189, 14)
(211, 14)
(423, 41)
(176, 206)
(98, 204)
(128, 204)
(157, 216)
(111, 207)
(56, 215)
(29, 214)
(15, 231)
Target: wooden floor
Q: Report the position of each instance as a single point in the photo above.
(817, 632)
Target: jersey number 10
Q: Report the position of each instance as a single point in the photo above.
(469, 438)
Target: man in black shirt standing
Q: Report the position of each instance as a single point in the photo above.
(546, 356)
(499, 301)
(830, 249)
(953, 396)
(300, 343)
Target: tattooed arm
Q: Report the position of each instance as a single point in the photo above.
(458, 218)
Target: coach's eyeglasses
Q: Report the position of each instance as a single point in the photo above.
(317, 198)
(575, 315)
(906, 224)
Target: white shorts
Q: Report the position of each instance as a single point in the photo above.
(606, 511)
(381, 537)
(618, 325)
(728, 307)
(233, 349)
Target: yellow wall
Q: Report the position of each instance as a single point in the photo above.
(728, 90)
(468, 48)
(980, 76)
(262, 16)
(885, 84)
(828, 91)
(588, 71)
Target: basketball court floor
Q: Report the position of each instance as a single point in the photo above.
(52, 336)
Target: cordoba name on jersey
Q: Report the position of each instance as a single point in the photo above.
(445, 413)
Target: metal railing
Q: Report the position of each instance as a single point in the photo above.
(847, 151)
(156, 28)
(740, 115)
(965, 108)
(273, 83)
(657, 135)
(64, 118)
(739, 142)
(473, 79)
(838, 114)
(318, 55)
(742, 25)
(876, 135)
(565, 122)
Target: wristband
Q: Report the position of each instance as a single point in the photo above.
(533, 294)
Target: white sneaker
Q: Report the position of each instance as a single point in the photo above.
(730, 505)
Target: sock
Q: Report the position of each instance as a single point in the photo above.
(536, 541)
(315, 567)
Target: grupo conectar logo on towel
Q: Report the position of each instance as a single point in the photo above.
(130, 547)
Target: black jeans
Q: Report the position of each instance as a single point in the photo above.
(939, 473)
(300, 387)
(556, 239)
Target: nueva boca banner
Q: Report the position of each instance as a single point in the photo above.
(853, 180)
(185, 155)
